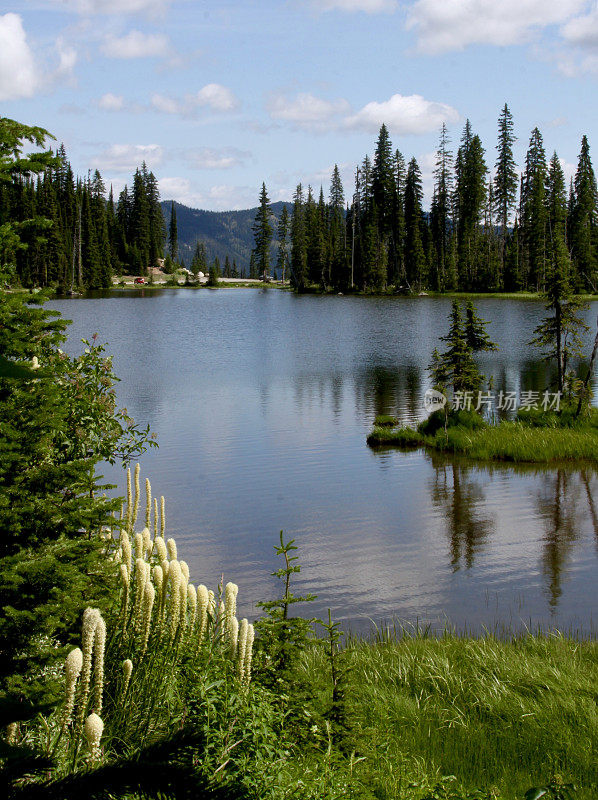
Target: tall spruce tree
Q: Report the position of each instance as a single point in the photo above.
(298, 241)
(584, 221)
(337, 232)
(415, 259)
(282, 233)
(173, 234)
(262, 234)
(533, 213)
(505, 179)
(440, 221)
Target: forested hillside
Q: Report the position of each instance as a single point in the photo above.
(224, 233)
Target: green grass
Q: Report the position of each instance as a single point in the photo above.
(504, 714)
(386, 421)
(535, 438)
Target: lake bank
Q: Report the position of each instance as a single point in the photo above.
(508, 441)
(507, 714)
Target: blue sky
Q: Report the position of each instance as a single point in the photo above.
(218, 97)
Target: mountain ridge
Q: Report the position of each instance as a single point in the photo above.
(222, 232)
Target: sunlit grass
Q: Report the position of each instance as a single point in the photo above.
(508, 714)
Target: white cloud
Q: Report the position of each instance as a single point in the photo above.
(403, 114)
(221, 197)
(166, 105)
(151, 7)
(213, 95)
(67, 58)
(306, 110)
(221, 158)
(127, 157)
(18, 73)
(217, 97)
(136, 44)
(582, 31)
(369, 6)
(444, 25)
(111, 102)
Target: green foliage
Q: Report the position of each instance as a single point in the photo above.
(282, 637)
(57, 423)
(262, 231)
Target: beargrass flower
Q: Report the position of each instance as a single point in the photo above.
(185, 569)
(148, 503)
(162, 516)
(72, 669)
(211, 604)
(192, 604)
(147, 542)
(99, 648)
(127, 672)
(158, 575)
(138, 545)
(232, 635)
(93, 730)
(155, 517)
(241, 648)
(137, 496)
(203, 602)
(171, 549)
(90, 621)
(161, 550)
(248, 654)
(129, 499)
(174, 582)
(149, 595)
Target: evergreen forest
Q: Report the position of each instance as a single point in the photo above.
(492, 225)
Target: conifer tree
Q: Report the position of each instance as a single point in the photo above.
(584, 222)
(505, 178)
(298, 241)
(456, 366)
(173, 234)
(262, 234)
(533, 212)
(282, 258)
(415, 259)
(440, 221)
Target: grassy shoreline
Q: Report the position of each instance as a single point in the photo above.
(534, 438)
(492, 713)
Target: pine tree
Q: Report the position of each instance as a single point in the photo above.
(505, 179)
(298, 241)
(457, 364)
(199, 261)
(398, 227)
(470, 197)
(475, 330)
(533, 212)
(282, 258)
(440, 221)
(173, 234)
(337, 257)
(140, 223)
(415, 259)
(584, 222)
(559, 335)
(262, 234)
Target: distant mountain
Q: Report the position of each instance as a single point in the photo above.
(223, 232)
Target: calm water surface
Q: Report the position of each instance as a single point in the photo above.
(261, 402)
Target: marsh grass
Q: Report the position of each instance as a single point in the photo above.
(496, 713)
(533, 437)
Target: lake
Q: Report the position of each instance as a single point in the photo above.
(261, 401)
